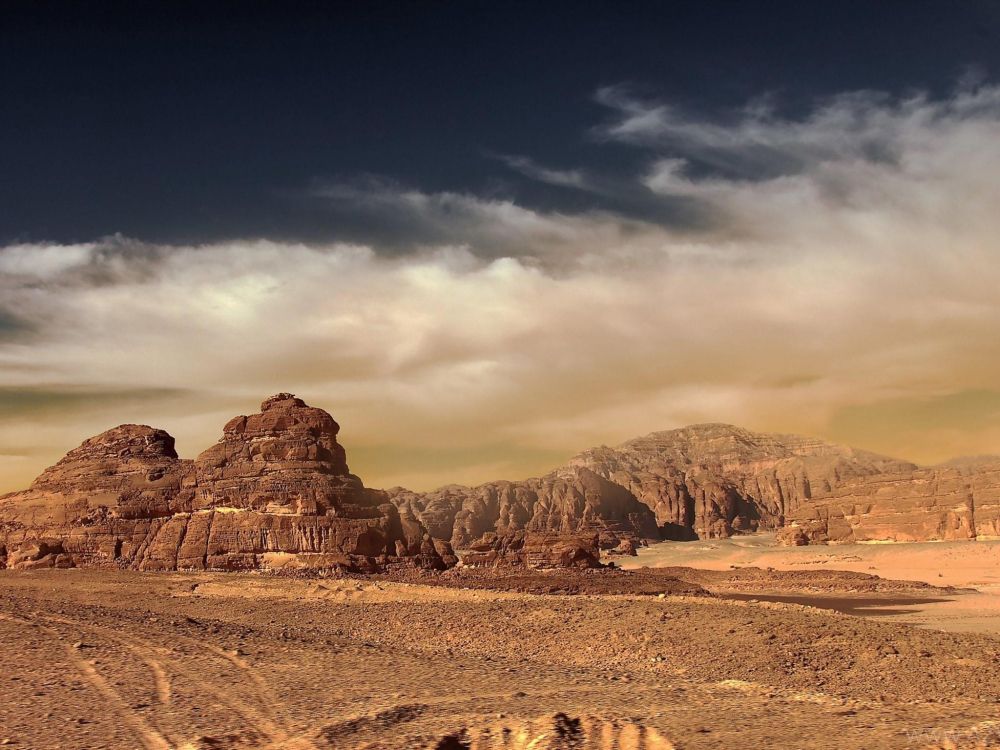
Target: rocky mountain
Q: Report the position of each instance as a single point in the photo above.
(274, 492)
(703, 481)
(713, 480)
(567, 501)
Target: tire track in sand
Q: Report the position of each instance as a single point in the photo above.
(272, 729)
(150, 738)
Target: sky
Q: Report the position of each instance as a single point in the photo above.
(486, 236)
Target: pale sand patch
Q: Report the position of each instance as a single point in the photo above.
(961, 564)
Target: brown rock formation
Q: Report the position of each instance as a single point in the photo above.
(275, 492)
(535, 550)
(714, 480)
(284, 460)
(918, 505)
(556, 732)
(567, 501)
(708, 480)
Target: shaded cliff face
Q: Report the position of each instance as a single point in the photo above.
(275, 492)
(566, 501)
(714, 480)
(702, 481)
(919, 505)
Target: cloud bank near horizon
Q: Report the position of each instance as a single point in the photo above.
(833, 274)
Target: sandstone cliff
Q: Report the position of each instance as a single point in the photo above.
(713, 480)
(274, 492)
(961, 502)
(702, 481)
(566, 501)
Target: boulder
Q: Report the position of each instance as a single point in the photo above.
(535, 550)
(793, 536)
(40, 553)
(626, 548)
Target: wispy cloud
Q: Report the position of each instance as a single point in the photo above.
(571, 178)
(486, 227)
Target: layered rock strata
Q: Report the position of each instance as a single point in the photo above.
(703, 481)
(274, 492)
(567, 501)
(535, 550)
(919, 505)
(714, 480)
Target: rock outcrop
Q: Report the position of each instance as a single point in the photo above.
(535, 550)
(557, 732)
(568, 501)
(714, 480)
(918, 505)
(275, 492)
(702, 481)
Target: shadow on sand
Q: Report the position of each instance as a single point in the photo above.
(848, 605)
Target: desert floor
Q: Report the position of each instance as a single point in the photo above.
(98, 659)
(974, 565)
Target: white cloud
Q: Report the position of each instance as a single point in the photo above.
(862, 265)
(36, 261)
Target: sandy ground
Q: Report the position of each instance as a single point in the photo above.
(97, 659)
(974, 565)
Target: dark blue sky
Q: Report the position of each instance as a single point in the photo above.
(180, 122)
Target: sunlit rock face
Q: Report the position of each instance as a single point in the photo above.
(274, 492)
(714, 480)
(947, 503)
(286, 459)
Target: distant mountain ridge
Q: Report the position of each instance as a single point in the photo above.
(276, 492)
(701, 481)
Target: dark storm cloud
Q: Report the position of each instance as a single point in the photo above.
(183, 124)
(13, 328)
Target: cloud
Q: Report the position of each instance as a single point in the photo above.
(11, 326)
(572, 178)
(850, 261)
(486, 227)
(757, 141)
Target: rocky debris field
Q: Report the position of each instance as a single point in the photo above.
(102, 659)
(643, 582)
(671, 581)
